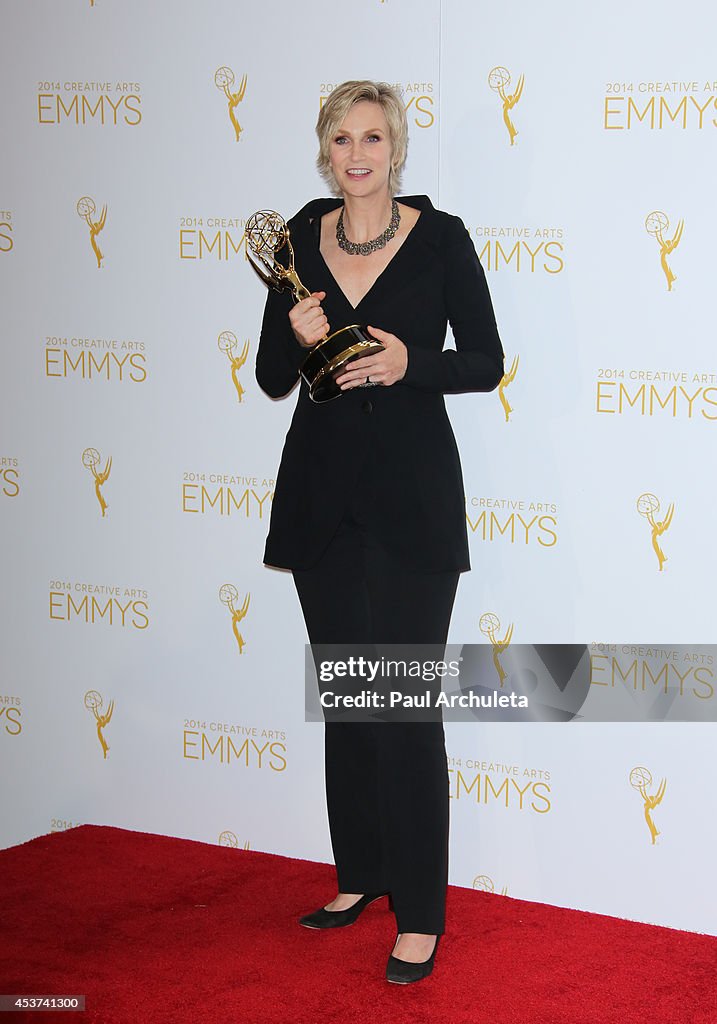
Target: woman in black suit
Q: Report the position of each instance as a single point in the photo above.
(368, 509)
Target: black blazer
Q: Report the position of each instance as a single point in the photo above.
(419, 515)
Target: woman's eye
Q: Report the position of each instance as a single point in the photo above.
(374, 138)
(341, 139)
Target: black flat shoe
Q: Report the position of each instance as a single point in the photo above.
(323, 918)
(402, 972)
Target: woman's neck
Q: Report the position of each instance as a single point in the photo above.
(366, 217)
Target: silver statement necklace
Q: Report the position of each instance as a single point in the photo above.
(366, 248)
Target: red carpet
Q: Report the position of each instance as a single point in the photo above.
(155, 930)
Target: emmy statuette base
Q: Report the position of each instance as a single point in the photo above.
(330, 357)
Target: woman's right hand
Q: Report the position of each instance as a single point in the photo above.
(308, 321)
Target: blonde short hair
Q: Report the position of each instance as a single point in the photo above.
(334, 111)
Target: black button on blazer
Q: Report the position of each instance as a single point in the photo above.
(418, 513)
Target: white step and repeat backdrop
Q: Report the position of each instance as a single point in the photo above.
(152, 667)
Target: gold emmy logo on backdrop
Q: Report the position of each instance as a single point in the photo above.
(93, 703)
(640, 779)
(499, 80)
(224, 80)
(230, 839)
(507, 379)
(657, 223)
(484, 883)
(228, 342)
(229, 595)
(91, 460)
(86, 208)
(489, 624)
(648, 506)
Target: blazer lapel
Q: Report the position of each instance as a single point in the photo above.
(408, 263)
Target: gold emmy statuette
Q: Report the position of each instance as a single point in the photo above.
(507, 378)
(266, 235)
(224, 79)
(86, 208)
(91, 460)
(656, 224)
(648, 505)
(228, 594)
(93, 702)
(640, 779)
(499, 80)
(228, 342)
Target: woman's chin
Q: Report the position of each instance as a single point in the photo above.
(362, 188)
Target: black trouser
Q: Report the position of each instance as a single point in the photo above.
(386, 782)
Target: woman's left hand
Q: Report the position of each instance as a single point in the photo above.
(384, 368)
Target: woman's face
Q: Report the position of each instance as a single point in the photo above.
(360, 151)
